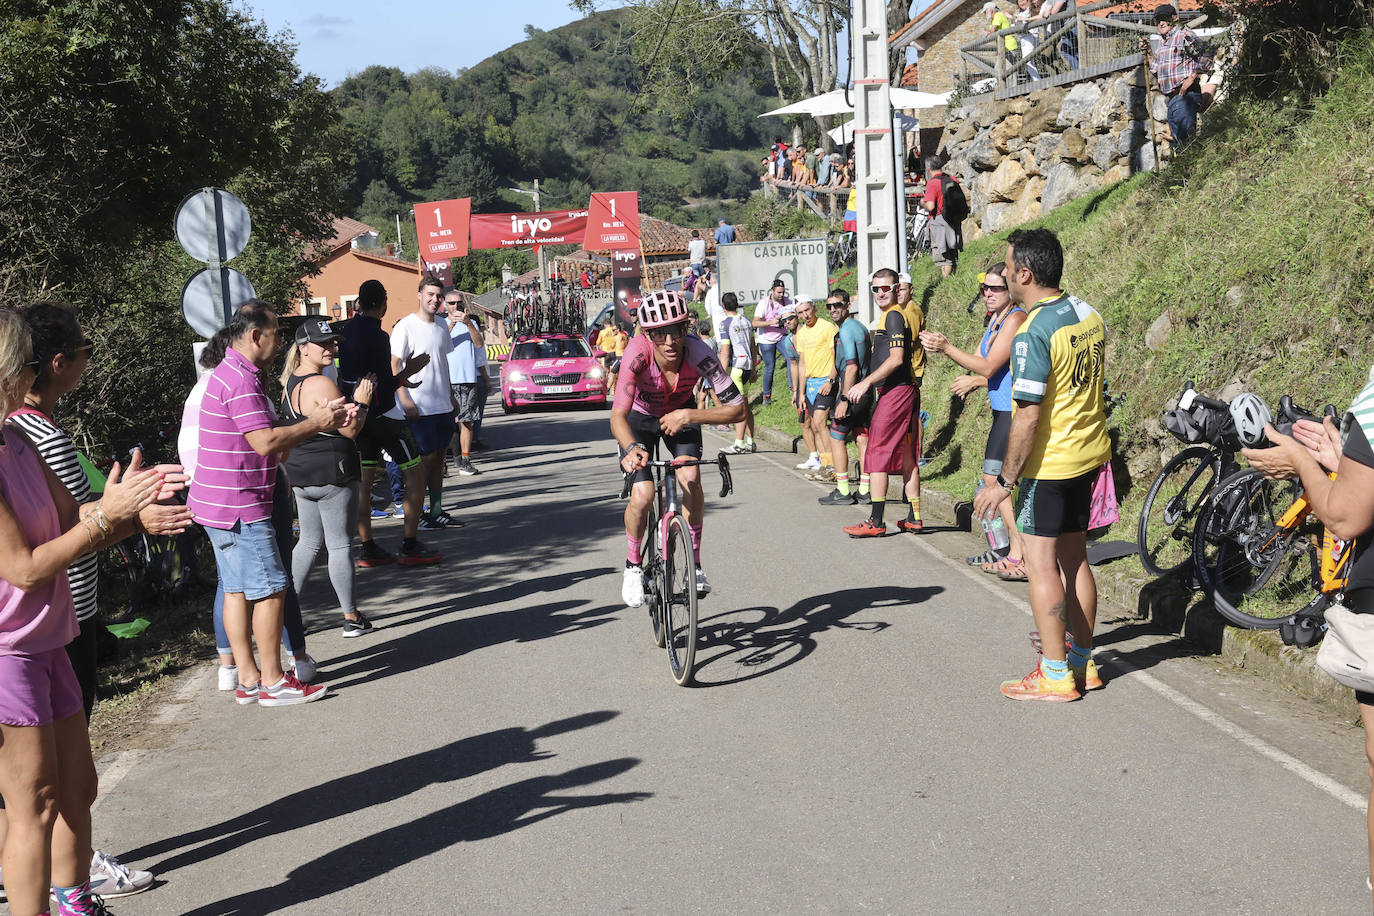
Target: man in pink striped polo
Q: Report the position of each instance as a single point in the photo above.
(231, 497)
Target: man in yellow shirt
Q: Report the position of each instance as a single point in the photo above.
(815, 340)
(1057, 444)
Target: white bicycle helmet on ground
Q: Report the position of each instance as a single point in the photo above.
(662, 307)
(1250, 414)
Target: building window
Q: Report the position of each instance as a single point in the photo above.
(347, 303)
(316, 306)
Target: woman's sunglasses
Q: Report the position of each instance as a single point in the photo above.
(993, 287)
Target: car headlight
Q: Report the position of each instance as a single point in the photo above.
(515, 375)
(596, 372)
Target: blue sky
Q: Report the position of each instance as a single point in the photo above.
(338, 37)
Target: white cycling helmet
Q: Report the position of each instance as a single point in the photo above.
(1250, 414)
(662, 307)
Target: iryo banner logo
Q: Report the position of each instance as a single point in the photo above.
(512, 230)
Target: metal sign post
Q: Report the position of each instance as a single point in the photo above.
(213, 226)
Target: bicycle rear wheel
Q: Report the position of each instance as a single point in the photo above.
(680, 600)
(653, 563)
(1164, 534)
(1246, 559)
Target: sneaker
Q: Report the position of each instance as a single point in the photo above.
(466, 469)
(111, 879)
(372, 555)
(865, 499)
(289, 691)
(836, 498)
(228, 677)
(632, 589)
(246, 696)
(907, 525)
(750, 447)
(738, 448)
(1035, 686)
(380, 513)
(352, 628)
(825, 475)
(867, 529)
(1087, 678)
(703, 587)
(418, 555)
(427, 523)
(305, 668)
(811, 464)
(444, 520)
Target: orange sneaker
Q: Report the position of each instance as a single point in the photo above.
(1035, 686)
(1086, 678)
(868, 529)
(914, 527)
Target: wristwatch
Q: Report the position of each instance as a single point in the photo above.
(1009, 486)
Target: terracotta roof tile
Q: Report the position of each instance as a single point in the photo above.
(346, 230)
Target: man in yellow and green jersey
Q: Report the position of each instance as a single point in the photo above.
(1058, 443)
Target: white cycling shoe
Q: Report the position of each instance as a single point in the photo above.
(632, 590)
(703, 587)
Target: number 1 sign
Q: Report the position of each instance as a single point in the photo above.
(442, 227)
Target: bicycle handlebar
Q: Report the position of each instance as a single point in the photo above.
(727, 483)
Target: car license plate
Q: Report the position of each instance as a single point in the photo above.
(558, 389)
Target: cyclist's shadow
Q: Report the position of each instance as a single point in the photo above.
(747, 643)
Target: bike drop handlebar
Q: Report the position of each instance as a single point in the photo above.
(727, 483)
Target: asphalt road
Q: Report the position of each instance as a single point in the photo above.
(510, 741)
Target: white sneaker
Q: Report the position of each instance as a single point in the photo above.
(111, 879)
(305, 667)
(811, 464)
(632, 589)
(703, 587)
(228, 677)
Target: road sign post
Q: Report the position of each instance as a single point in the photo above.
(213, 226)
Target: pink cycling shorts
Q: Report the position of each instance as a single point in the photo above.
(38, 689)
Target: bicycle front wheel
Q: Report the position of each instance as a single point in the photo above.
(652, 565)
(1164, 534)
(680, 600)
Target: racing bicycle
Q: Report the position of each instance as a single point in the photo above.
(670, 568)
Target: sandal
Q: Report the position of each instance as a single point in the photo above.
(988, 556)
(1010, 570)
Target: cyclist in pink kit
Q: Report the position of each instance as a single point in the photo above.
(653, 400)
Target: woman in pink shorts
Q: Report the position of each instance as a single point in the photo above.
(47, 777)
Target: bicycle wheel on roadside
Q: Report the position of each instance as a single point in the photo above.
(653, 600)
(680, 601)
(1246, 560)
(1164, 534)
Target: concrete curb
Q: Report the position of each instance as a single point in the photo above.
(1176, 607)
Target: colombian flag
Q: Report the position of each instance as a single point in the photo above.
(851, 211)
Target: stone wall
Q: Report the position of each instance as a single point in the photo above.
(940, 64)
(1023, 157)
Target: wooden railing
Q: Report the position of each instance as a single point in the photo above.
(1067, 48)
(824, 201)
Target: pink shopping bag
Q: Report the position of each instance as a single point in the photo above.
(1104, 507)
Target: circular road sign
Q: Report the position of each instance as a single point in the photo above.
(212, 225)
(209, 298)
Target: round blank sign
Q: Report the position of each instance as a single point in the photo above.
(198, 298)
(212, 225)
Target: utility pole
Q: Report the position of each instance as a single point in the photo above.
(543, 270)
(875, 158)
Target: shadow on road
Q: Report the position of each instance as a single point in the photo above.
(490, 814)
(744, 644)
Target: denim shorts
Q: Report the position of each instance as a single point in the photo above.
(248, 560)
(432, 431)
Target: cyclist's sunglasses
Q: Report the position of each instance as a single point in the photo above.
(886, 288)
(676, 331)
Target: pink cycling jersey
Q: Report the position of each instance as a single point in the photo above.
(641, 386)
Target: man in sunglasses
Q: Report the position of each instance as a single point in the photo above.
(654, 400)
(889, 437)
(853, 349)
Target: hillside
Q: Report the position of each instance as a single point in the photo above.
(561, 107)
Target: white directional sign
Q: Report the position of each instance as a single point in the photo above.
(748, 269)
(205, 294)
(213, 226)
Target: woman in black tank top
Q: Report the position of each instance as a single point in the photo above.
(324, 469)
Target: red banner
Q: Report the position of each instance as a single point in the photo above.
(512, 230)
(442, 227)
(613, 222)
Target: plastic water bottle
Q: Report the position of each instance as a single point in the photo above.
(994, 529)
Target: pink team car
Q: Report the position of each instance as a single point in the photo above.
(552, 369)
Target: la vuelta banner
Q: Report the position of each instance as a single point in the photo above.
(442, 228)
(514, 230)
(613, 222)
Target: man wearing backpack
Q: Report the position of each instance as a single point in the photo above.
(948, 208)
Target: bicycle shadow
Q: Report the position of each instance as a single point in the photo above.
(781, 638)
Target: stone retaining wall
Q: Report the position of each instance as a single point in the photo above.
(1023, 157)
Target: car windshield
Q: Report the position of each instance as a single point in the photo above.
(554, 348)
